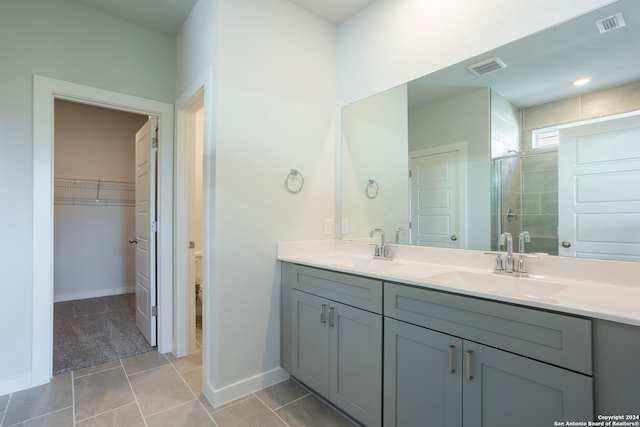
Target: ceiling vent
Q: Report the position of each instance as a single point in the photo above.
(610, 23)
(486, 67)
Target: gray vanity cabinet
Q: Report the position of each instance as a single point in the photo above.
(310, 340)
(617, 369)
(332, 338)
(457, 361)
(505, 389)
(422, 376)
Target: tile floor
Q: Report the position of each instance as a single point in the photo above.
(152, 390)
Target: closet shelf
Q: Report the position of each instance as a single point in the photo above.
(93, 191)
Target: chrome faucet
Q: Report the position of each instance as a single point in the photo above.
(383, 250)
(508, 261)
(523, 238)
(508, 266)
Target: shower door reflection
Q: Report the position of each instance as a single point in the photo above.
(525, 198)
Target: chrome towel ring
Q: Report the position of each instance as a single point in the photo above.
(371, 189)
(294, 181)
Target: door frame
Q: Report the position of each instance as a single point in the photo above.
(461, 149)
(45, 91)
(199, 92)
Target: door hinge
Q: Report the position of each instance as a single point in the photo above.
(154, 226)
(409, 173)
(409, 224)
(154, 142)
(154, 310)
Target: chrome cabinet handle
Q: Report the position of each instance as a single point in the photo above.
(566, 244)
(323, 314)
(468, 360)
(133, 240)
(331, 321)
(452, 348)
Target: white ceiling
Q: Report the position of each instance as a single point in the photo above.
(542, 66)
(167, 16)
(334, 11)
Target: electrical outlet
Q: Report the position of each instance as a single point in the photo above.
(345, 226)
(328, 227)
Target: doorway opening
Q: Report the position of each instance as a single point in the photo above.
(45, 91)
(94, 289)
(191, 254)
(196, 159)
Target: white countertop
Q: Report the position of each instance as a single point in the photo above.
(600, 289)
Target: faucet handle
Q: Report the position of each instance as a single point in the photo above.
(522, 266)
(498, 265)
(386, 251)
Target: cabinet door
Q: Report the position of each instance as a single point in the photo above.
(617, 376)
(356, 362)
(503, 389)
(422, 377)
(310, 340)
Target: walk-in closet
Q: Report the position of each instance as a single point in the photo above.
(94, 263)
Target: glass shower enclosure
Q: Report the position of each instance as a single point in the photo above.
(525, 198)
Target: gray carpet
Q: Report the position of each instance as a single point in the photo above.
(96, 330)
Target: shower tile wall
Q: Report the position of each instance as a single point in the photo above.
(606, 102)
(540, 202)
(511, 195)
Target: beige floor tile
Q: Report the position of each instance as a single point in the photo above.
(101, 392)
(205, 403)
(188, 363)
(199, 336)
(3, 405)
(128, 415)
(250, 412)
(159, 389)
(3, 402)
(194, 380)
(63, 418)
(281, 394)
(49, 397)
(190, 414)
(95, 369)
(142, 362)
(312, 412)
(233, 402)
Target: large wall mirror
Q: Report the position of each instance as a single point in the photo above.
(506, 142)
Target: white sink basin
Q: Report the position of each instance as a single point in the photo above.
(363, 264)
(499, 284)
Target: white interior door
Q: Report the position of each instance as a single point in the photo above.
(145, 240)
(599, 190)
(435, 210)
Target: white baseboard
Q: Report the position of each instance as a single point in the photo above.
(11, 385)
(242, 388)
(93, 293)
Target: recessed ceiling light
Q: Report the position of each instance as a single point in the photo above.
(582, 81)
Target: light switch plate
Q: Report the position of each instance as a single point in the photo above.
(328, 226)
(345, 226)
